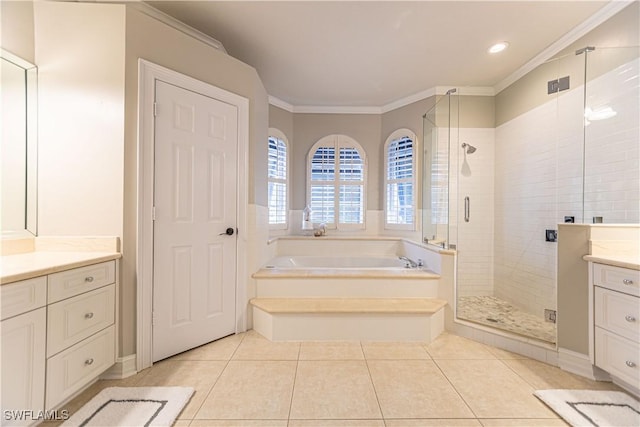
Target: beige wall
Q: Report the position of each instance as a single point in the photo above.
(371, 131)
(309, 128)
(573, 276)
(156, 42)
(531, 90)
(79, 51)
(87, 56)
(573, 288)
(16, 35)
(281, 120)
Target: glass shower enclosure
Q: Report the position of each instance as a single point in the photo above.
(563, 147)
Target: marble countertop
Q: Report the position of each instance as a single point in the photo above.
(624, 261)
(39, 263)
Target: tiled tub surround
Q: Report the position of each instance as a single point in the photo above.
(366, 297)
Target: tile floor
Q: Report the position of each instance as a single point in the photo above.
(246, 380)
(500, 314)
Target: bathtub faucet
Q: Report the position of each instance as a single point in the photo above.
(321, 230)
(410, 263)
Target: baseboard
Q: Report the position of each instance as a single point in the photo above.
(580, 364)
(123, 368)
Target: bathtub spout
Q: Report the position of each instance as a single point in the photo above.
(410, 263)
(321, 230)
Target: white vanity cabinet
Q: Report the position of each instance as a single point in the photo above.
(58, 335)
(23, 336)
(616, 322)
(80, 329)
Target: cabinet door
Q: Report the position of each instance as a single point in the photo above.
(23, 363)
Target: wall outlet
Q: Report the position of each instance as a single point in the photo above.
(551, 235)
(549, 315)
(569, 219)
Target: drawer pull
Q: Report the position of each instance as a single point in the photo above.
(630, 364)
(629, 318)
(90, 362)
(627, 282)
(88, 279)
(90, 315)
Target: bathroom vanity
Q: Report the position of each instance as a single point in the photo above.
(615, 318)
(58, 327)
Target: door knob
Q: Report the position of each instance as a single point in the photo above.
(229, 232)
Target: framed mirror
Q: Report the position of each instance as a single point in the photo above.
(18, 149)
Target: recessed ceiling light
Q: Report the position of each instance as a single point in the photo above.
(498, 47)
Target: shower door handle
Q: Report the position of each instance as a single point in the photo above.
(467, 209)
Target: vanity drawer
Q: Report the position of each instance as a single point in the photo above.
(618, 313)
(618, 356)
(616, 278)
(23, 296)
(74, 319)
(69, 371)
(79, 280)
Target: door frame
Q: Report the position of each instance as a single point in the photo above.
(148, 73)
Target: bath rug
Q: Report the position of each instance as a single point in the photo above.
(132, 406)
(593, 407)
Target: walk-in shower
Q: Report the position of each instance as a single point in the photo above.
(540, 154)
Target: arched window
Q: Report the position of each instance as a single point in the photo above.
(400, 180)
(336, 179)
(277, 178)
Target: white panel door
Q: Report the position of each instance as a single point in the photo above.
(196, 140)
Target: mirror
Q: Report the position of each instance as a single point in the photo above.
(18, 150)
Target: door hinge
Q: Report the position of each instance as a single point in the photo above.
(155, 109)
(153, 213)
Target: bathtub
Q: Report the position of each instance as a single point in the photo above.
(334, 262)
(345, 268)
(347, 288)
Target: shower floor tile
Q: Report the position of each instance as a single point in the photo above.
(500, 314)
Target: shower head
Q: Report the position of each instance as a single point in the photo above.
(470, 148)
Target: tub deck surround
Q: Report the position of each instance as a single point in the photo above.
(349, 319)
(349, 305)
(344, 273)
(348, 288)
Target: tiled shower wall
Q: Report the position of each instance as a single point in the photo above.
(475, 179)
(612, 182)
(527, 190)
(539, 180)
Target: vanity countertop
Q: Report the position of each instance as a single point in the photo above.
(39, 263)
(624, 261)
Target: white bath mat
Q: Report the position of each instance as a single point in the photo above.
(593, 408)
(132, 406)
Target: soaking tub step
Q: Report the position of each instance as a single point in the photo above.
(349, 305)
(357, 319)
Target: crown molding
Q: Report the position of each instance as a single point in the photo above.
(277, 102)
(580, 30)
(602, 15)
(176, 24)
(437, 90)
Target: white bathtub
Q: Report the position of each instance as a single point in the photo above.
(334, 262)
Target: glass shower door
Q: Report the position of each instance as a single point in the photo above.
(439, 128)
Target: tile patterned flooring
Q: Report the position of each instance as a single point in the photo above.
(505, 316)
(246, 380)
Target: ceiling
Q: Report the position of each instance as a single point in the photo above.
(361, 53)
